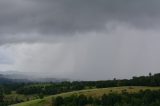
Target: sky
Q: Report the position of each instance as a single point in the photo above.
(80, 39)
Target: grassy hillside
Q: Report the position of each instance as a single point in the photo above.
(90, 92)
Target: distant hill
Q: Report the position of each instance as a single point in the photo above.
(15, 76)
(4, 80)
(49, 80)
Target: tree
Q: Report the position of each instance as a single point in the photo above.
(90, 100)
(150, 74)
(82, 100)
(1, 98)
(41, 96)
(58, 101)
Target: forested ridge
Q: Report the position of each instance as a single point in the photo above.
(54, 88)
(142, 98)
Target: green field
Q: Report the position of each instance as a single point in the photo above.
(46, 101)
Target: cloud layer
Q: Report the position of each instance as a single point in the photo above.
(80, 39)
(34, 20)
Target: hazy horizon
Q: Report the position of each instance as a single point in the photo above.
(80, 39)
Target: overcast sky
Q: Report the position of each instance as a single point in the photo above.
(80, 39)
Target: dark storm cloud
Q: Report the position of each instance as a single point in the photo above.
(31, 20)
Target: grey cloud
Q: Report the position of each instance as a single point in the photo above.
(123, 53)
(95, 39)
(20, 19)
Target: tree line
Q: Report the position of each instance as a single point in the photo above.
(55, 88)
(142, 98)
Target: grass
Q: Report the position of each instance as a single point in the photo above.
(14, 95)
(90, 92)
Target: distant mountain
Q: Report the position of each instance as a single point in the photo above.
(50, 80)
(15, 76)
(4, 80)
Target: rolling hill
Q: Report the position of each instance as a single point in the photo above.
(90, 92)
